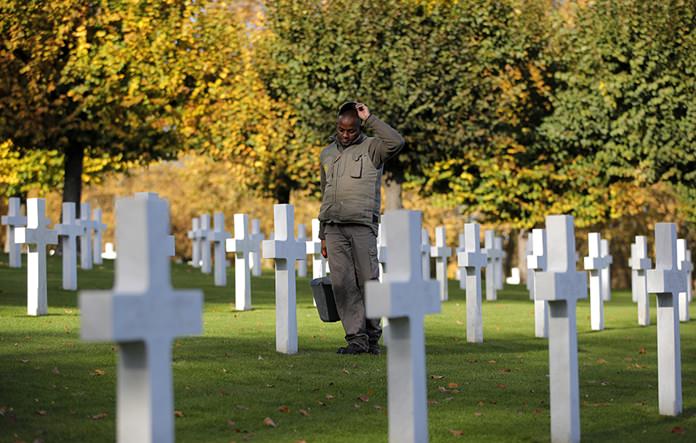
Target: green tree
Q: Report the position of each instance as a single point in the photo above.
(91, 78)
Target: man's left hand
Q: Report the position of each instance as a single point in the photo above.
(363, 111)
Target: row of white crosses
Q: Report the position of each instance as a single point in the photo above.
(34, 231)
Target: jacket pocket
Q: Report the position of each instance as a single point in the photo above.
(356, 166)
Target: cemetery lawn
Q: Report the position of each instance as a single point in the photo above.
(56, 388)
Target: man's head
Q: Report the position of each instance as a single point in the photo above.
(347, 124)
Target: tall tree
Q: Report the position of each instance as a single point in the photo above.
(91, 78)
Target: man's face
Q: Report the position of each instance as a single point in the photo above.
(347, 129)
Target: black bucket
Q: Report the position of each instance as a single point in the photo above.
(324, 298)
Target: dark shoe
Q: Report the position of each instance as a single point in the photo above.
(374, 349)
(352, 349)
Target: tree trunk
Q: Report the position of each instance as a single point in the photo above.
(392, 191)
(72, 179)
(282, 194)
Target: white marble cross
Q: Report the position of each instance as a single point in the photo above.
(218, 237)
(285, 250)
(14, 219)
(241, 244)
(405, 298)
(606, 272)
(36, 236)
(302, 236)
(109, 251)
(634, 273)
(499, 273)
(686, 267)
(440, 252)
(87, 225)
(460, 248)
(205, 240)
(492, 255)
(528, 246)
(314, 249)
(255, 255)
(99, 229)
(143, 314)
(470, 260)
(640, 264)
(594, 263)
(195, 234)
(381, 251)
(425, 253)
(68, 231)
(536, 262)
(562, 286)
(667, 282)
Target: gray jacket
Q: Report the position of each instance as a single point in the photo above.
(351, 176)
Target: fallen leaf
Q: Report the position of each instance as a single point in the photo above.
(284, 409)
(329, 397)
(677, 430)
(178, 414)
(301, 441)
(501, 386)
(442, 389)
(432, 402)
(456, 432)
(478, 414)
(505, 370)
(41, 412)
(601, 361)
(24, 361)
(55, 371)
(364, 398)
(378, 407)
(492, 362)
(452, 385)
(99, 416)
(303, 413)
(345, 371)
(268, 421)
(231, 423)
(437, 377)
(481, 403)
(99, 372)
(321, 403)
(642, 350)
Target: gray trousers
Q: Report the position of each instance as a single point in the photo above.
(352, 251)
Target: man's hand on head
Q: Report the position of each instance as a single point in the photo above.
(363, 111)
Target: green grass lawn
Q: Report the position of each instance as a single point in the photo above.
(53, 387)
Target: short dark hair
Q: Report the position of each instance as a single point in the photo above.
(348, 109)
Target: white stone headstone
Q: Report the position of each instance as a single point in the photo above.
(255, 255)
(36, 236)
(425, 253)
(440, 252)
(530, 273)
(302, 236)
(314, 249)
(667, 282)
(686, 267)
(405, 298)
(219, 236)
(285, 250)
(381, 251)
(143, 314)
(640, 264)
(470, 261)
(242, 245)
(68, 231)
(499, 272)
(109, 251)
(594, 263)
(631, 259)
(492, 255)
(13, 220)
(206, 235)
(99, 229)
(562, 286)
(195, 235)
(87, 225)
(536, 262)
(606, 272)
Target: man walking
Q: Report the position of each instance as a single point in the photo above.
(351, 176)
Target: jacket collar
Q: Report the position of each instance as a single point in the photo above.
(359, 139)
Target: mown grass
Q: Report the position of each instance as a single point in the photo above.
(53, 387)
